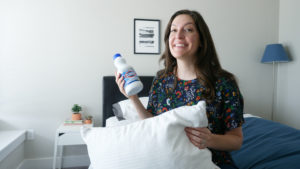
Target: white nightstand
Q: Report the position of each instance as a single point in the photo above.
(66, 135)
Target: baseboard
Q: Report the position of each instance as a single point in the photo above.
(46, 163)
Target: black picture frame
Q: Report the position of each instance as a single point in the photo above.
(146, 36)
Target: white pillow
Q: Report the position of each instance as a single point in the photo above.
(154, 143)
(113, 121)
(126, 110)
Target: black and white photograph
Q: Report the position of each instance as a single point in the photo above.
(146, 36)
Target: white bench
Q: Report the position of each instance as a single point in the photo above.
(9, 141)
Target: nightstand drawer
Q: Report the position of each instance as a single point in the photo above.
(70, 139)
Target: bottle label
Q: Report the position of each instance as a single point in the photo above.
(129, 77)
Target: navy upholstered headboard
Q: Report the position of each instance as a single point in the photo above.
(112, 94)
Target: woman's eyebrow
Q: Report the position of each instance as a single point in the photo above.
(184, 24)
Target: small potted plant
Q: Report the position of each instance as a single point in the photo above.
(88, 119)
(76, 115)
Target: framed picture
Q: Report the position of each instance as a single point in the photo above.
(146, 36)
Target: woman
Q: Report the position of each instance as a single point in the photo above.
(192, 73)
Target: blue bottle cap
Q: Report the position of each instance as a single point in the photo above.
(117, 55)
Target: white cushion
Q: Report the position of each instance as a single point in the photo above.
(113, 121)
(125, 109)
(154, 143)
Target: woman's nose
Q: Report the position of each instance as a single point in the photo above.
(180, 34)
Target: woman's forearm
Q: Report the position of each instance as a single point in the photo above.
(143, 113)
(232, 140)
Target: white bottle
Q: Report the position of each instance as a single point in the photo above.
(132, 85)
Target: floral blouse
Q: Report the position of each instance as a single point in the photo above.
(224, 113)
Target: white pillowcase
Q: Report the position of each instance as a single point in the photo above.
(154, 143)
(126, 110)
(113, 121)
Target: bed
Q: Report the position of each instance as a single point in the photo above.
(266, 144)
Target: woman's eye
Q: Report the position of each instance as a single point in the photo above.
(173, 30)
(188, 30)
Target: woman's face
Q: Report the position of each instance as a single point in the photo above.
(184, 37)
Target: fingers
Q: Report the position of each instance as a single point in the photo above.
(119, 79)
(197, 141)
(197, 136)
(120, 82)
(201, 144)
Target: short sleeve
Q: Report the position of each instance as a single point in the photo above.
(153, 97)
(233, 104)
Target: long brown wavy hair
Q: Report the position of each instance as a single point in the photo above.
(208, 67)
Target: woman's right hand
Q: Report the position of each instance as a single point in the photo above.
(120, 82)
(143, 113)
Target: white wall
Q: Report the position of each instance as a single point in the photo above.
(287, 109)
(54, 53)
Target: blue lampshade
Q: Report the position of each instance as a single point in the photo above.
(274, 53)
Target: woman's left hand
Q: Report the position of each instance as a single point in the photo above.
(200, 137)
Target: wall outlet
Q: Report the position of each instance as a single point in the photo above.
(30, 134)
